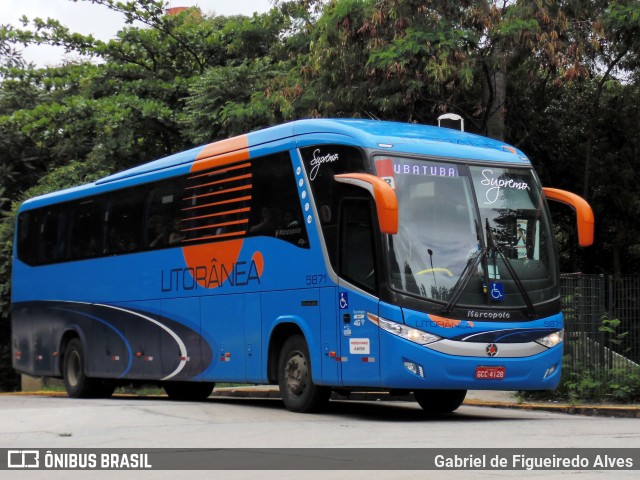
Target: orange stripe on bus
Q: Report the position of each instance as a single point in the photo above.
(220, 171)
(229, 212)
(222, 202)
(218, 182)
(220, 192)
(226, 253)
(218, 154)
(216, 225)
(211, 237)
(222, 153)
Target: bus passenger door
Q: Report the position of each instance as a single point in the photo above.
(359, 344)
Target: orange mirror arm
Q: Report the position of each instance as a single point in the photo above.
(384, 196)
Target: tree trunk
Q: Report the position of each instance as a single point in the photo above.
(587, 170)
(495, 97)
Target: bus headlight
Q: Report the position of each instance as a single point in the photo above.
(552, 340)
(412, 334)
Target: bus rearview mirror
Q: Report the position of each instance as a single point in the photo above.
(383, 195)
(584, 214)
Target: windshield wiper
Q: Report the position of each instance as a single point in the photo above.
(472, 265)
(466, 275)
(493, 247)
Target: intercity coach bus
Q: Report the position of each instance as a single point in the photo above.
(319, 255)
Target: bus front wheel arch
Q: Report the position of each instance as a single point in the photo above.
(297, 389)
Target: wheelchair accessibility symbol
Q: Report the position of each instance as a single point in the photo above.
(496, 291)
(344, 300)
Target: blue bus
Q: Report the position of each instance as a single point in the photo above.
(318, 255)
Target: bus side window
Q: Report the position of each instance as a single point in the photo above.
(357, 255)
(163, 226)
(27, 237)
(275, 204)
(126, 215)
(52, 237)
(85, 234)
(322, 163)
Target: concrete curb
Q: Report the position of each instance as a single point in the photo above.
(620, 411)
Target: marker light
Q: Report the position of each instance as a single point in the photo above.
(550, 371)
(552, 340)
(412, 334)
(414, 368)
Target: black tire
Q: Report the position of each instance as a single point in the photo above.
(297, 389)
(188, 391)
(438, 402)
(76, 382)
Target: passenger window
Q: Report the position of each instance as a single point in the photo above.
(164, 201)
(322, 163)
(39, 234)
(28, 235)
(125, 221)
(52, 245)
(85, 238)
(275, 205)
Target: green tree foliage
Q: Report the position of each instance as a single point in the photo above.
(229, 100)
(572, 109)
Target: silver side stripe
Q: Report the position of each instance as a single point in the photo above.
(178, 340)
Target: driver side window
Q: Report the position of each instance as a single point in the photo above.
(357, 253)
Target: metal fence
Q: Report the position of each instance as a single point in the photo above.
(602, 323)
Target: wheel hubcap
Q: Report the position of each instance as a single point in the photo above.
(296, 374)
(73, 370)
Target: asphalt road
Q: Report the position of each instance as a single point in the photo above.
(129, 422)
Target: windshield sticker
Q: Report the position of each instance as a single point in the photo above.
(493, 272)
(318, 160)
(384, 167)
(496, 290)
(496, 184)
(425, 169)
(521, 238)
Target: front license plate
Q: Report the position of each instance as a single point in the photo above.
(490, 373)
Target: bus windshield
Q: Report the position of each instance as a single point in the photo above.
(468, 234)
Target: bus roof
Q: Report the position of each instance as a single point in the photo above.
(372, 134)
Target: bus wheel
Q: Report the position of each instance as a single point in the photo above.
(439, 401)
(193, 391)
(298, 391)
(76, 382)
